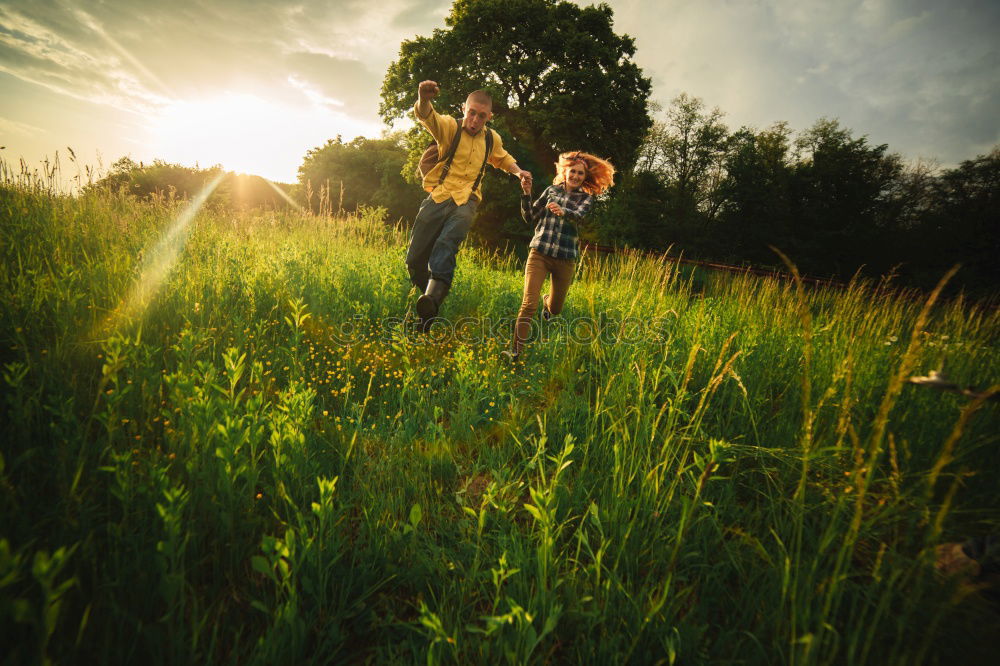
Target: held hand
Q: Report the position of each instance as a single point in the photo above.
(428, 90)
(554, 207)
(526, 182)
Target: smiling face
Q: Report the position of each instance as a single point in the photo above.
(477, 114)
(574, 174)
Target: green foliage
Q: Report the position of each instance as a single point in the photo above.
(262, 466)
(365, 172)
(561, 78)
(158, 178)
(955, 217)
(686, 150)
(757, 208)
(636, 214)
(838, 193)
(162, 179)
(832, 202)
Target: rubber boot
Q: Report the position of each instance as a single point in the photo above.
(429, 304)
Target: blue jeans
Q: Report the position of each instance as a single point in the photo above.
(437, 232)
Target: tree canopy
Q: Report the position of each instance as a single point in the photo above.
(560, 77)
(362, 171)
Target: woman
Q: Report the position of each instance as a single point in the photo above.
(555, 247)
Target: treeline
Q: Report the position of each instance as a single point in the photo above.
(335, 177)
(163, 179)
(834, 203)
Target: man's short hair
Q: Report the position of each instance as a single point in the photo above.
(481, 97)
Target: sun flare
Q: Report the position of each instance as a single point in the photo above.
(248, 133)
(231, 130)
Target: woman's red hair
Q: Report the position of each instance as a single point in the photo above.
(600, 172)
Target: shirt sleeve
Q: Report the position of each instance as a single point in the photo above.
(500, 158)
(442, 128)
(576, 209)
(538, 208)
(526, 208)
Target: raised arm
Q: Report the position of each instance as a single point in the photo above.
(426, 91)
(442, 128)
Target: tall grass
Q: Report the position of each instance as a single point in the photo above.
(260, 465)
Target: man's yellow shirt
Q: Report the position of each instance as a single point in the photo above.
(467, 162)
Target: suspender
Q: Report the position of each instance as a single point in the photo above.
(450, 155)
(489, 149)
(454, 147)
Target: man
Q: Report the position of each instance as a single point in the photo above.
(454, 185)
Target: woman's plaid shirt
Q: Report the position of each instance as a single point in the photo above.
(556, 236)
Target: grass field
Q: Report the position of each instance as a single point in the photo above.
(221, 446)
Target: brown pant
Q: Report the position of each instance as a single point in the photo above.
(535, 269)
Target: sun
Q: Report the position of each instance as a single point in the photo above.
(235, 130)
(264, 135)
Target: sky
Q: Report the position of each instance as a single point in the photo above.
(253, 85)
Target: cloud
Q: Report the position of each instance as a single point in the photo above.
(342, 82)
(134, 55)
(12, 127)
(35, 52)
(417, 13)
(922, 76)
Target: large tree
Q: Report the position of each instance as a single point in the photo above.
(756, 209)
(841, 190)
(686, 149)
(560, 76)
